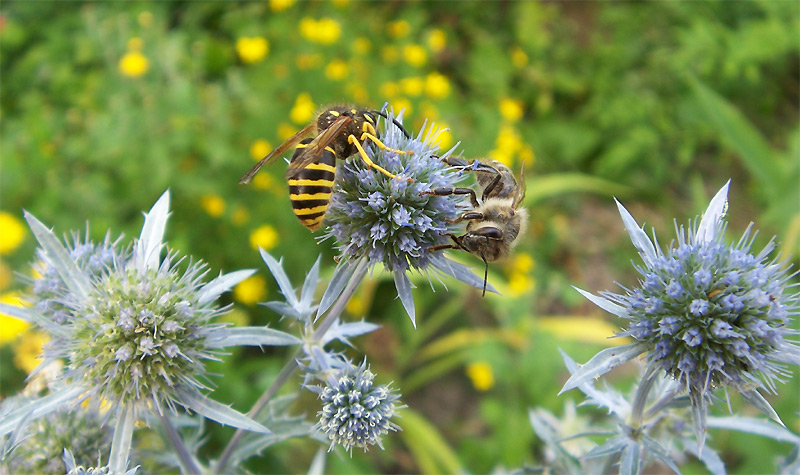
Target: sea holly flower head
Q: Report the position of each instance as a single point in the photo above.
(390, 221)
(709, 314)
(356, 412)
(133, 328)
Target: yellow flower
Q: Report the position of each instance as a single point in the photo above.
(251, 290)
(520, 284)
(28, 349)
(358, 92)
(527, 155)
(412, 86)
(502, 156)
(133, 64)
(324, 31)
(135, 44)
(522, 262)
(389, 89)
(437, 86)
(214, 205)
(336, 70)
(508, 140)
(237, 317)
(263, 181)
(356, 306)
(401, 104)
(5, 276)
(389, 54)
(260, 149)
(240, 214)
(437, 40)
(307, 61)
(511, 109)
(443, 138)
(518, 57)
(252, 50)
(285, 131)
(11, 327)
(415, 55)
(362, 45)
(12, 233)
(264, 237)
(481, 375)
(145, 19)
(329, 31)
(303, 109)
(429, 111)
(280, 5)
(399, 28)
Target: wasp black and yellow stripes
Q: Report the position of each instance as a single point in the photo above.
(310, 188)
(341, 132)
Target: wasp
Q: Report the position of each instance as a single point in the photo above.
(496, 221)
(339, 132)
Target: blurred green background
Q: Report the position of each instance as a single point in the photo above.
(106, 105)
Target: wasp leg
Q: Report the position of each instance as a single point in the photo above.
(353, 140)
(444, 191)
(380, 144)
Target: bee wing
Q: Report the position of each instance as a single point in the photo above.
(521, 186)
(278, 152)
(316, 146)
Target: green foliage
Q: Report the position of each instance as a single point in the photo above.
(656, 101)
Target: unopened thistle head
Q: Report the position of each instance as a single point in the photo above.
(356, 412)
(711, 314)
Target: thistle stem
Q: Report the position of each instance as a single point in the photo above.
(291, 365)
(187, 462)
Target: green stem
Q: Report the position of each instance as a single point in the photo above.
(640, 398)
(188, 463)
(291, 365)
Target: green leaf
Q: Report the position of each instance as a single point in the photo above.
(430, 450)
(548, 186)
(738, 133)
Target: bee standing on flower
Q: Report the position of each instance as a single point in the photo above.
(341, 132)
(496, 221)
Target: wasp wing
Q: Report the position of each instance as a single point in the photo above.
(314, 149)
(278, 152)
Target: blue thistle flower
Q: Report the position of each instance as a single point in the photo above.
(134, 330)
(724, 318)
(390, 221)
(356, 412)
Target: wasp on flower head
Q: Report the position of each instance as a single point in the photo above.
(341, 132)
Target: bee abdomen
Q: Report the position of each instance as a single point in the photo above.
(310, 188)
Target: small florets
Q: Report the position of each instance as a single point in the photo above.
(714, 314)
(390, 220)
(356, 412)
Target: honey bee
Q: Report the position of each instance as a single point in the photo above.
(496, 221)
(340, 132)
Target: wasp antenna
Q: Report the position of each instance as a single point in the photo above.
(398, 124)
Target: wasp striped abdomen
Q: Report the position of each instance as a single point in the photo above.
(311, 187)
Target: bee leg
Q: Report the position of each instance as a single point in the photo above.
(491, 185)
(370, 164)
(456, 243)
(445, 191)
(485, 274)
(468, 216)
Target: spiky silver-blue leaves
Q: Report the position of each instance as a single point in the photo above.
(709, 314)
